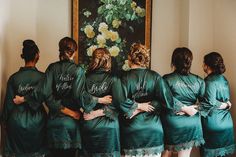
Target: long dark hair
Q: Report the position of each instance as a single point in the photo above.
(215, 61)
(182, 60)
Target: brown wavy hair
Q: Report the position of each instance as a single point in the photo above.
(139, 55)
(67, 47)
(182, 60)
(101, 59)
(215, 61)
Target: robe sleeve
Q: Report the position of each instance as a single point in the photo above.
(82, 97)
(8, 105)
(163, 93)
(201, 92)
(158, 106)
(44, 93)
(126, 105)
(111, 111)
(163, 97)
(209, 102)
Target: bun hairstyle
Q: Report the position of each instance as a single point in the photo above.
(215, 61)
(67, 47)
(29, 50)
(139, 55)
(182, 60)
(101, 59)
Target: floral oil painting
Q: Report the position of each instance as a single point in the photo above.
(111, 24)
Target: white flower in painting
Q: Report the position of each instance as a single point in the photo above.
(91, 49)
(143, 13)
(140, 11)
(126, 66)
(101, 40)
(101, 45)
(87, 13)
(133, 5)
(88, 30)
(116, 23)
(103, 27)
(109, 6)
(114, 36)
(90, 34)
(106, 34)
(114, 51)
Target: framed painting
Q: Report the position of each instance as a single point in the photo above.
(113, 24)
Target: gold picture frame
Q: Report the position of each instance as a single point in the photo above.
(79, 8)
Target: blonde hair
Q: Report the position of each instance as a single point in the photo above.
(101, 58)
(139, 55)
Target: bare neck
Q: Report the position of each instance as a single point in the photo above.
(30, 64)
(134, 66)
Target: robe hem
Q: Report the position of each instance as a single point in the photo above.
(144, 151)
(219, 151)
(184, 146)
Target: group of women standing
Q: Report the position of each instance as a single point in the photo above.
(98, 114)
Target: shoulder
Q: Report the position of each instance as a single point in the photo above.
(211, 78)
(152, 72)
(211, 81)
(216, 79)
(115, 78)
(155, 74)
(197, 77)
(52, 65)
(79, 68)
(122, 74)
(168, 76)
(39, 72)
(13, 76)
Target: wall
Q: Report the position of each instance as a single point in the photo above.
(165, 33)
(201, 25)
(225, 41)
(44, 21)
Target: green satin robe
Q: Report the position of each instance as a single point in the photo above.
(63, 86)
(100, 136)
(25, 123)
(217, 124)
(143, 134)
(183, 131)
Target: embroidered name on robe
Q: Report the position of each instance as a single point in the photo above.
(140, 88)
(25, 88)
(66, 82)
(98, 88)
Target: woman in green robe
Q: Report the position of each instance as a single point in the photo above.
(64, 90)
(183, 131)
(24, 124)
(145, 92)
(100, 128)
(217, 123)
